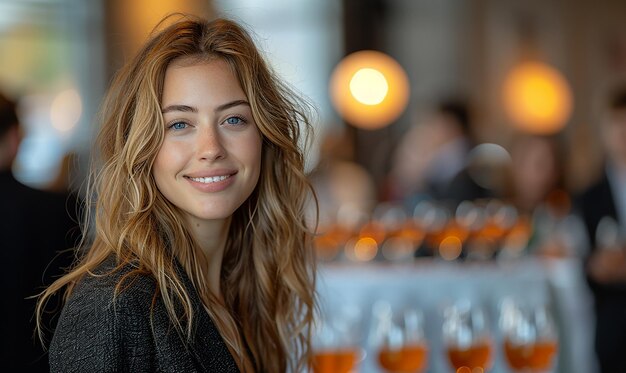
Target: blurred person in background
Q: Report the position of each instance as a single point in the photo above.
(199, 258)
(339, 182)
(536, 170)
(603, 207)
(536, 188)
(346, 195)
(431, 154)
(37, 231)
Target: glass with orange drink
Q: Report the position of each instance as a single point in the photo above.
(467, 339)
(398, 339)
(530, 339)
(335, 343)
(337, 360)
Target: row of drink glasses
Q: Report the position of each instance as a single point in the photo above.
(475, 229)
(528, 339)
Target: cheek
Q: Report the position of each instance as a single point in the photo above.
(253, 153)
(168, 160)
(160, 165)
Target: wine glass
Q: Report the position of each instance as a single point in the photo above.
(399, 340)
(470, 217)
(499, 219)
(608, 235)
(336, 342)
(402, 235)
(530, 337)
(432, 220)
(467, 338)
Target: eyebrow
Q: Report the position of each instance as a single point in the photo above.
(191, 109)
(228, 105)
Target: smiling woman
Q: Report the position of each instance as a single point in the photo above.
(210, 159)
(198, 225)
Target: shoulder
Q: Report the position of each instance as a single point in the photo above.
(99, 291)
(99, 327)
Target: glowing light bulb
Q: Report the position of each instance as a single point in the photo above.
(537, 98)
(369, 89)
(369, 86)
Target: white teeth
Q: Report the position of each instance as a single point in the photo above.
(208, 180)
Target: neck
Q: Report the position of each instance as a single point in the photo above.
(211, 237)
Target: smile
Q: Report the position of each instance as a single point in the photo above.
(209, 180)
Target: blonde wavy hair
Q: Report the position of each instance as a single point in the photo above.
(268, 274)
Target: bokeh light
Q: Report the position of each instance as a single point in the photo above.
(487, 164)
(369, 86)
(362, 249)
(66, 110)
(369, 89)
(537, 98)
(450, 248)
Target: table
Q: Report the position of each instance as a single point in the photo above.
(433, 284)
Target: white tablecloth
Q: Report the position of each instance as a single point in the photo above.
(431, 285)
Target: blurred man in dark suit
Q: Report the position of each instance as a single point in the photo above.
(36, 231)
(603, 207)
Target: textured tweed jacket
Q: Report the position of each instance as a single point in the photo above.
(95, 334)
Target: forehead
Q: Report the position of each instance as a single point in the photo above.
(189, 63)
(196, 79)
(193, 59)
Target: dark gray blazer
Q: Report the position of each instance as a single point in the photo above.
(95, 334)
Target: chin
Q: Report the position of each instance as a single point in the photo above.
(215, 213)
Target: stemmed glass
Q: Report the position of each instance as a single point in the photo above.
(530, 337)
(432, 220)
(398, 339)
(336, 342)
(467, 338)
(402, 236)
(496, 221)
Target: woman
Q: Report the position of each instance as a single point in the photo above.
(537, 189)
(200, 259)
(537, 171)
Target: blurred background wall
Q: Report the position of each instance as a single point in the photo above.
(58, 55)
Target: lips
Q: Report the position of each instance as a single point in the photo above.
(211, 181)
(210, 173)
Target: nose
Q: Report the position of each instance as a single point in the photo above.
(210, 145)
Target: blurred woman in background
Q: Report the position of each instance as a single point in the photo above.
(537, 170)
(199, 257)
(538, 191)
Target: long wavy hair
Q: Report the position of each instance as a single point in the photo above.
(268, 274)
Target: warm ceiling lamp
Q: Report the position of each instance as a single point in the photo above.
(369, 89)
(537, 98)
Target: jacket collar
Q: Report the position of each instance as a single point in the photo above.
(207, 344)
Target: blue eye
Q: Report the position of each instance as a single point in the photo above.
(235, 121)
(178, 126)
